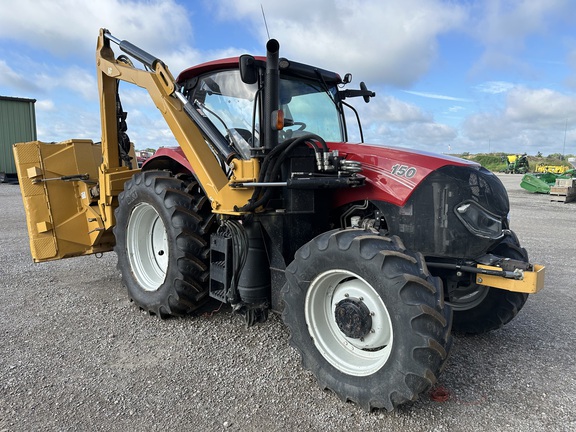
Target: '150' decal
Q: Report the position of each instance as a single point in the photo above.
(404, 171)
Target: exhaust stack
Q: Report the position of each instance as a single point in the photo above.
(271, 93)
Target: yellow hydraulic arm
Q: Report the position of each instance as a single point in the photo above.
(70, 188)
(160, 84)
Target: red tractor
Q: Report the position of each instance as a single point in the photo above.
(372, 254)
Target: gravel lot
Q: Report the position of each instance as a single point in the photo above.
(77, 355)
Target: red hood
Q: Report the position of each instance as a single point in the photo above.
(392, 173)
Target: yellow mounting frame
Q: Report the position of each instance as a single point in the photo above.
(531, 282)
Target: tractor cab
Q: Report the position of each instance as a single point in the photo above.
(310, 101)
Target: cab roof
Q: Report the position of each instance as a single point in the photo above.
(291, 68)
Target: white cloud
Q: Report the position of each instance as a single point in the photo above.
(74, 79)
(69, 27)
(10, 78)
(539, 107)
(387, 42)
(570, 80)
(531, 120)
(483, 127)
(506, 23)
(455, 109)
(382, 42)
(387, 109)
(37, 80)
(387, 120)
(67, 122)
(45, 105)
(495, 87)
(437, 96)
(503, 27)
(427, 134)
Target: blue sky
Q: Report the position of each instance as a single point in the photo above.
(450, 76)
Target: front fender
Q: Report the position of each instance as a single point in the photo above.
(169, 158)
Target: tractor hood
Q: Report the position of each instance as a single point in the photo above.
(439, 205)
(392, 173)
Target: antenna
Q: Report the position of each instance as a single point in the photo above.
(265, 23)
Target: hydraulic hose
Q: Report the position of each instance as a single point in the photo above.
(271, 166)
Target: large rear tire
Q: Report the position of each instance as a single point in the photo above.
(367, 318)
(162, 242)
(479, 309)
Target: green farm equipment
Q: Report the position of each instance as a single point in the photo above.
(542, 182)
(517, 164)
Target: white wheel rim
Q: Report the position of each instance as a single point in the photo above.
(147, 245)
(358, 357)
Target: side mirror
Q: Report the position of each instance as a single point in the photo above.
(366, 93)
(248, 69)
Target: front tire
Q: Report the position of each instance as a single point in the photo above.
(367, 318)
(162, 242)
(479, 309)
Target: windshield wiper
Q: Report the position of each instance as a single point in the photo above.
(325, 87)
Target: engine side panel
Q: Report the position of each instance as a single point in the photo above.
(417, 194)
(428, 222)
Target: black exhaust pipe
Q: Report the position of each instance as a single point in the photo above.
(271, 94)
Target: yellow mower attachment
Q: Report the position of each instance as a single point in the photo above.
(57, 183)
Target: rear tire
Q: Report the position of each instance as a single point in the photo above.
(480, 309)
(162, 242)
(367, 318)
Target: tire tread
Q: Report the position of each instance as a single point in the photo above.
(188, 217)
(405, 270)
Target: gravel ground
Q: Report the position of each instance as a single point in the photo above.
(77, 355)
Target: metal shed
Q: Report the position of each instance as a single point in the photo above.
(17, 124)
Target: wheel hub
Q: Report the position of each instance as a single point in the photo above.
(353, 318)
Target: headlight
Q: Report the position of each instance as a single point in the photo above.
(478, 220)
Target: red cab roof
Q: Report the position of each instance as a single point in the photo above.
(226, 63)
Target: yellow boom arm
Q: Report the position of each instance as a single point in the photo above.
(70, 189)
(160, 85)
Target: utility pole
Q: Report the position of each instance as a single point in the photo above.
(564, 146)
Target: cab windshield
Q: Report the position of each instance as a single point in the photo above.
(310, 108)
(231, 104)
